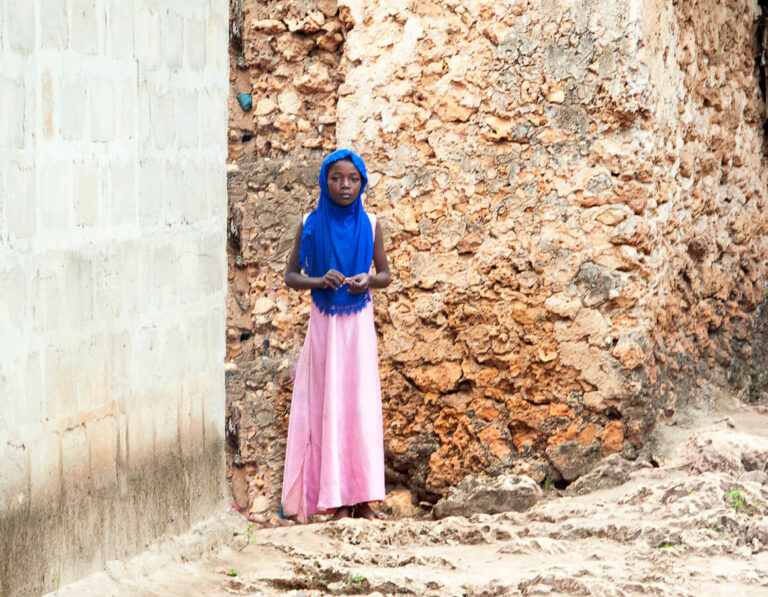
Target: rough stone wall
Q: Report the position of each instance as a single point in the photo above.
(572, 197)
(112, 280)
(287, 56)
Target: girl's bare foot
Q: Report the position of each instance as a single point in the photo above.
(365, 511)
(342, 512)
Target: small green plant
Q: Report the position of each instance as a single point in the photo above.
(250, 537)
(356, 580)
(232, 572)
(57, 579)
(736, 500)
(547, 483)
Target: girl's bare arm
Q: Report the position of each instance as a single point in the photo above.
(296, 280)
(382, 277)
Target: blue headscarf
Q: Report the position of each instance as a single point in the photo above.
(340, 238)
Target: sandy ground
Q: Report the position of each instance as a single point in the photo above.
(694, 525)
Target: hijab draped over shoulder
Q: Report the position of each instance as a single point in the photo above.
(340, 238)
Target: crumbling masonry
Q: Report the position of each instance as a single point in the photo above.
(573, 200)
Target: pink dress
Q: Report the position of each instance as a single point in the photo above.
(335, 449)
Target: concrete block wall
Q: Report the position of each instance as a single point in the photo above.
(113, 124)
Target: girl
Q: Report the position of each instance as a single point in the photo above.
(334, 458)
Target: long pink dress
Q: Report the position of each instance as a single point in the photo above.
(335, 449)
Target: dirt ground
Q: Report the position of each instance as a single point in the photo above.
(692, 521)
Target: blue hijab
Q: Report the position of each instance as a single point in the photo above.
(340, 238)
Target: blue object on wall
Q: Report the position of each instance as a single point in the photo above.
(246, 102)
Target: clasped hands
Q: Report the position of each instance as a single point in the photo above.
(335, 279)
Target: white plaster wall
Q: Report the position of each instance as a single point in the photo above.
(112, 243)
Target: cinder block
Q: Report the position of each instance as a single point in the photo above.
(54, 24)
(76, 469)
(213, 406)
(189, 277)
(173, 39)
(141, 436)
(194, 43)
(119, 362)
(173, 194)
(47, 106)
(71, 102)
(86, 16)
(86, 194)
(164, 276)
(217, 335)
(146, 360)
(151, 182)
(144, 118)
(103, 446)
(102, 112)
(122, 191)
(30, 409)
(14, 475)
(191, 421)
(213, 110)
(3, 200)
(196, 342)
(20, 201)
(11, 381)
(20, 25)
(212, 268)
(173, 355)
(60, 389)
(193, 200)
(121, 34)
(166, 419)
(127, 110)
(92, 391)
(46, 308)
(79, 290)
(107, 297)
(218, 42)
(122, 439)
(130, 281)
(45, 468)
(12, 112)
(55, 195)
(144, 284)
(148, 41)
(216, 191)
(163, 120)
(187, 119)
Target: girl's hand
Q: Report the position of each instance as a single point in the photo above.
(333, 279)
(358, 284)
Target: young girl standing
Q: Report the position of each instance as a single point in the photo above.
(335, 452)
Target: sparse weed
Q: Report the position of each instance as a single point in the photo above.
(356, 580)
(232, 572)
(736, 499)
(250, 537)
(547, 484)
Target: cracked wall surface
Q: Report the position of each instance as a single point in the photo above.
(573, 205)
(112, 280)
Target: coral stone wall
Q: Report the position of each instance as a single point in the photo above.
(572, 199)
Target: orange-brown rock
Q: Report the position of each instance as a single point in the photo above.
(612, 437)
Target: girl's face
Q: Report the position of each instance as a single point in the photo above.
(344, 182)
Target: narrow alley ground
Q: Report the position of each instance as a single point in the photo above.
(695, 525)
